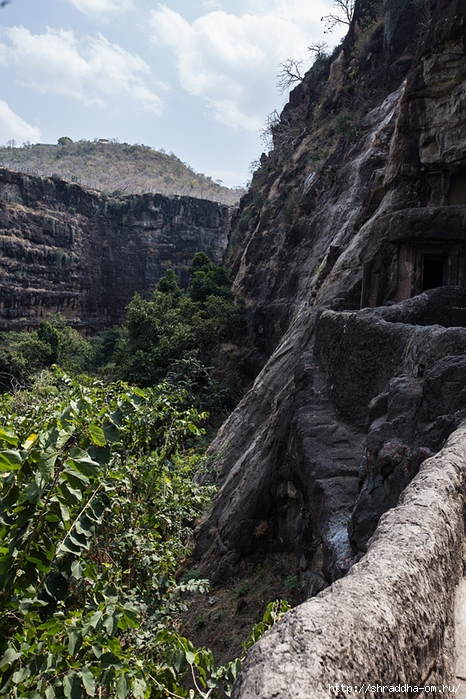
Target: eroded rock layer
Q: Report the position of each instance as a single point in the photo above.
(69, 250)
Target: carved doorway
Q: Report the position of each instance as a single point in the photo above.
(434, 270)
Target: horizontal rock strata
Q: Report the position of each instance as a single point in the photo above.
(70, 250)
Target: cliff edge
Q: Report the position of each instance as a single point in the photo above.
(350, 249)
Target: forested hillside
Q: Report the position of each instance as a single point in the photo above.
(116, 168)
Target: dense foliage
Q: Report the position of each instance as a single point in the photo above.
(96, 502)
(23, 354)
(174, 336)
(177, 334)
(116, 168)
(98, 497)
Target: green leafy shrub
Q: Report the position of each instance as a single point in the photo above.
(23, 354)
(96, 502)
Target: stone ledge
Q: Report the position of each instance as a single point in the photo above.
(390, 620)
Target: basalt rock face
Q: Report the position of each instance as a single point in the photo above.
(352, 223)
(69, 250)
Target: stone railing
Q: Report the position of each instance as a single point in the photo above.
(389, 622)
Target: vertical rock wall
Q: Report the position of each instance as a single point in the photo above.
(365, 180)
(65, 249)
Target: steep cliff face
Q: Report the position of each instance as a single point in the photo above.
(66, 249)
(362, 204)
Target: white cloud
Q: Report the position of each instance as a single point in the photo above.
(91, 69)
(211, 5)
(12, 127)
(231, 61)
(92, 7)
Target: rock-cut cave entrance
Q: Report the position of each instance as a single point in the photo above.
(434, 271)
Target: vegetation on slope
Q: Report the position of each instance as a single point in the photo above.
(96, 502)
(116, 168)
(177, 336)
(99, 493)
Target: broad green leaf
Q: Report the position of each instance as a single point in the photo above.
(111, 623)
(21, 675)
(8, 436)
(47, 463)
(117, 417)
(129, 618)
(82, 462)
(72, 685)
(39, 558)
(97, 435)
(190, 657)
(96, 510)
(77, 570)
(65, 512)
(88, 680)
(10, 460)
(108, 660)
(58, 437)
(71, 496)
(111, 432)
(9, 657)
(33, 492)
(138, 688)
(52, 626)
(78, 539)
(121, 687)
(68, 545)
(50, 692)
(75, 641)
(77, 480)
(96, 619)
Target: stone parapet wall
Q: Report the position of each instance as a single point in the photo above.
(390, 620)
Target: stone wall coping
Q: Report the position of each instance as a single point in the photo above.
(390, 620)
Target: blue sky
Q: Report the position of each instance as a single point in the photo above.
(195, 77)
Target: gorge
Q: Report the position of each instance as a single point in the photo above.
(350, 252)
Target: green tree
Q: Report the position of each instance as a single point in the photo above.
(23, 354)
(178, 334)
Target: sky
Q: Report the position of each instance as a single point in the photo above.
(194, 77)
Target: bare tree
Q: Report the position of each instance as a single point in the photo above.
(290, 73)
(343, 14)
(291, 70)
(267, 132)
(319, 49)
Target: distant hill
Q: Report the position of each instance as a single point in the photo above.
(116, 168)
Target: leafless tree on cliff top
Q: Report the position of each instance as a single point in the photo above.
(290, 73)
(291, 69)
(343, 15)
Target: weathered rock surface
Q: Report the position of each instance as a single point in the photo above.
(390, 621)
(351, 252)
(66, 249)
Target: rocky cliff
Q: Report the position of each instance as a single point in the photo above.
(350, 249)
(71, 250)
